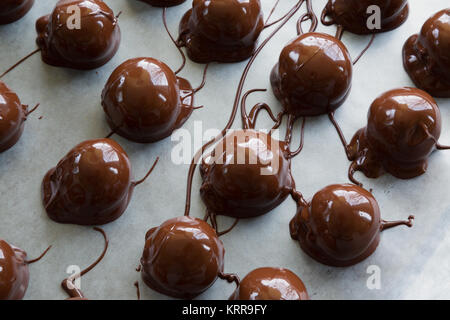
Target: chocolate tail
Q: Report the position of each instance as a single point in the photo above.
(38, 258)
(392, 224)
(136, 183)
(19, 63)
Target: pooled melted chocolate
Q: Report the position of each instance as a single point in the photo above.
(144, 101)
(248, 174)
(340, 226)
(402, 131)
(313, 76)
(13, 115)
(163, 3)
(221, 30)
(14, 274)
(91, 185)
(182, 257)
(91, 46)
(353, 16)
(426, 56)
(13, 10)
(271, 284)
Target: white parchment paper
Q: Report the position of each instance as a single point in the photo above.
(414, 263)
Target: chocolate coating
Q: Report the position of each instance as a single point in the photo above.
(270, 284)
(13, 10)
(145, 101)
(182, 258)
(221, 30)
(403, 128)
(352, 14)
(426, 56)
(14, 274)
(91, 185)
(163, 3)
(339, 227)
(313, 76)
(247, 175)
(89, 47)
(12, 117)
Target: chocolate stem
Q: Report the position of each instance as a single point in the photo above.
(365, 49)
(391, 224)
(429, 135)
(351, 171)
(18, 63)
(38, 258)
(340, 133)
(203, 79)
(230, 278)
(183, 56)
(309, 15)
(441, 147)
(33, 110)
(68, 284)
(136, 183)
(339, 32)
(302, 140)
(219, 234)
(237, 99)
(266, 24)
(138, 292)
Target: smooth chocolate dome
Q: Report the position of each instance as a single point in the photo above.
(221, 30)
(247, 175)
(313, 76)
(89, 47)
(144, 101)
(182, 257)
(91, 185)
(271, 284)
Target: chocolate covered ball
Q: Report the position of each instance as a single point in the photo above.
(221, 30)
(91, 185)
(12, 117)
(313, 76)
(13, 10)
(354, 15)
(426, 55)
(144, 101)
(247, 175)
(163, 3)
(182, 257)
(339, 227)
(402, 131)
(14, 274)
(271, 284)
(88, 44)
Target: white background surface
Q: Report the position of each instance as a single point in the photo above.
(414, 262)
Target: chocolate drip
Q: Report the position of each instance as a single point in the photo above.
(38, 258)
(392, 224)
(68, 284)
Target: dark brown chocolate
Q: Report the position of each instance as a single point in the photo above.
(247, 175)
(402, 131)
(221, 30)
(13, 115)
(14, 274)
(313, 76)
(352, 15)
(89, 47)
(91, 185)
(271, 284)
(13, 10)
(426, 56)
(163, 3)
(182, 258)
(144, 101)
(340, 226)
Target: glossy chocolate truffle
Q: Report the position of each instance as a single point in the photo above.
(163, 3)
(91, 185)
(182, 258)
(221, 30)
(426, 56)
(313, 76)
(247, 175)
(339, 227)
(353, 15)
(14, 274)
(13, 10)
(88, 45)
(402, 131)
(271, 284)
(145, 101)
(12, 118)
